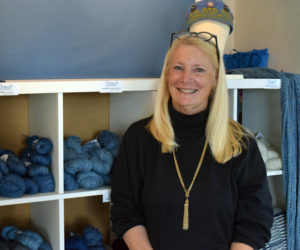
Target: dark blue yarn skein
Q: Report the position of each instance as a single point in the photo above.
(92, 236)
(74, 142)
(35, 169)
(46, 183)
(17, 246)
(108, 140)
(3, 168)
(40, 145)
(9, 232)
(30, 239)
(78, 165)
(70, 182)
(102, 161)
(45, 246)
(89, 180)
(69, 153)
(40, 159)
(75, 242)
(31, 186)
(15, 165)
(12, 186)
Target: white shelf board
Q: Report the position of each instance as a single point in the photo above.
(274, 172)
(134, 84)
(104, 191)
(29, 198)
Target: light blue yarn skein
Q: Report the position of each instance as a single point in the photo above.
(108, 140)
(74, 142)
(89, 180)
(35, 169)
(78, 165)
(90, 146)
(102, 161)
(9, 232)
(30, 239)
(46, 183)
(12, 186)
(69, 153)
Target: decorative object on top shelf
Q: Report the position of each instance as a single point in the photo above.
(28, 174)
(249, 59)
(91, 238)
(89, 165)
(271, 158)
(14, 238)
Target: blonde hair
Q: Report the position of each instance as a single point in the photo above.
(225, 137)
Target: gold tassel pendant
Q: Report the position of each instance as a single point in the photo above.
(185, 225)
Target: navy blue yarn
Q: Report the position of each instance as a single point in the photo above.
(14, 245)
(70, 182)
(25, 154)
(35, 169)
(107, 180)
(78, 165)
(45, 246)
(3, 168)
(75, 242)
(92, 236)
(30, 239)
(89, 180)
(4, 245)
(31, 186)
(40, 145)
(102, 161)
(9, 232)
(15, 165)
(108, 140)
(74, 142)
(46, 183)
(40, 159)
(12, 186)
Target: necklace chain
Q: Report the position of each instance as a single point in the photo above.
(185, 225)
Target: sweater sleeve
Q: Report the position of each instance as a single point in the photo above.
(127, 181)
(254, 214)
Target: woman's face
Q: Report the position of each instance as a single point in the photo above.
(191, 77)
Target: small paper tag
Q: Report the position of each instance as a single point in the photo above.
(8, 89)
(4, 157)
(272, 84)
(111, 86)
(106, 197)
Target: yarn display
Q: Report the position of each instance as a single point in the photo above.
(271, 158)
(91, 239)
(89, 164)
(30, 173)
(14, 238)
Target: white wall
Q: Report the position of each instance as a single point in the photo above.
(272, 24)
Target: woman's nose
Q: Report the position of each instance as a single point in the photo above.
(186, 76)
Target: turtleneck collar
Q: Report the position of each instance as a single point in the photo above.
(188, 126)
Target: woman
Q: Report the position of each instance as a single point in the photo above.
(189, 177)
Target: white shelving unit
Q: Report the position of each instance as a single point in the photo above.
(46, 118)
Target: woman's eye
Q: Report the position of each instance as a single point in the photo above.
(177, 67)
(198, 70)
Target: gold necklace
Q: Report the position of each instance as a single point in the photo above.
(185, 225)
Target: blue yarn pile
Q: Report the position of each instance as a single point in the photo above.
(30, 173)
(13, 238)
(89, 165)
(91, 239)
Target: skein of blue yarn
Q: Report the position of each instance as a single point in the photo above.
(92, 236)
(74, 142)
(30, 239)
(78, 165)
(70, 182)
(40, 145)
(15, 165)
(17, 246)
(45, 246)
(46, 183)
(40, 159)
(35, 169)
(12, 186)
(90, 146)
(69, 153)
(89, 180)
(107, 179)
(102, 161)
(108, 140)
(9, 232)
(4, 245)
(31, 186)
(75, 242)
(3, 168)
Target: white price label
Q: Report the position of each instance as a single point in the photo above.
(111, 86)
(106, 197)
(8, 89)
(272, 84)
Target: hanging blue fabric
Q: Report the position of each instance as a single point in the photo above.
(290, 146)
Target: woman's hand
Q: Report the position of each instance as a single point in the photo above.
(240, 246)
(136, 238)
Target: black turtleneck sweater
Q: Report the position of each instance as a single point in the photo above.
(228, 202)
